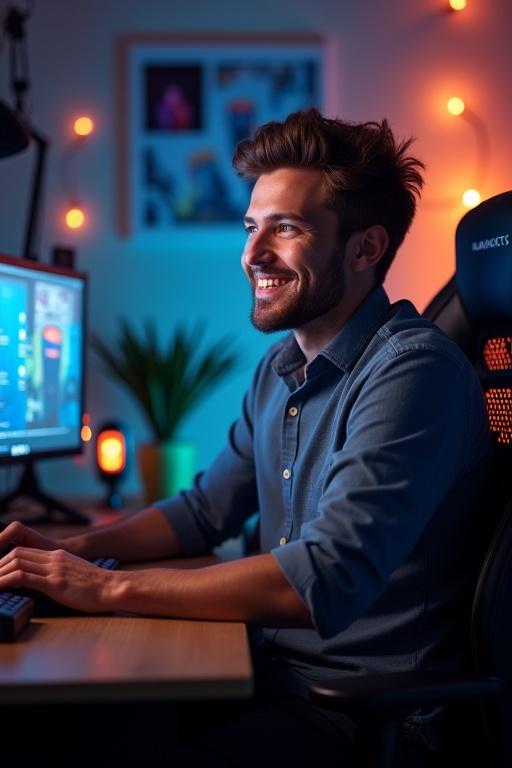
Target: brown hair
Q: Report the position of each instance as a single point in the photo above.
(369, 177)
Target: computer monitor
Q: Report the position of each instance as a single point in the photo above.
(42, 367)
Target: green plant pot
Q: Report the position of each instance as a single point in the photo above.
(166, 468)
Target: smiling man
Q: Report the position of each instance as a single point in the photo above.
(362, 443)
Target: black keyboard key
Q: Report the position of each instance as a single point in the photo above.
(15, 613)
(106, 562)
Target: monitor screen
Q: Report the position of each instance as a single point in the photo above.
(42, 356)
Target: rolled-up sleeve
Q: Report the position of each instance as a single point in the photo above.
(404, 448)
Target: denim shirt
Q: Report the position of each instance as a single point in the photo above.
(367, 476)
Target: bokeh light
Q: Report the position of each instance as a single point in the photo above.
(471, 198)
(75, 218)
(455, 105)
(83, 126)
(457, 5)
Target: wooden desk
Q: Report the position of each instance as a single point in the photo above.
(126, 658)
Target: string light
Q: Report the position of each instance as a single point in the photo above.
(455, 105)
(457, 5)
(471, 198)
(83, 126)
(86, 431)
(75, 218)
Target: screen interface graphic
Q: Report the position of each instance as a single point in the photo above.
(41, 361)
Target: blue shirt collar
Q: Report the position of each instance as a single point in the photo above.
(346, 347)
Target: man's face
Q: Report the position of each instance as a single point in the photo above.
(293, 257)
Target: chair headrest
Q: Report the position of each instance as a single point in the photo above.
(483, 247)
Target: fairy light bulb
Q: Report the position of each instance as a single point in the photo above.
(83, 126)
(75, 218)
(455, 105)
(471, 198)
(457, 5)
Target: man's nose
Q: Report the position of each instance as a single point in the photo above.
(258, 249)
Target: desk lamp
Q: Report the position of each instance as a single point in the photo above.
(111, 455)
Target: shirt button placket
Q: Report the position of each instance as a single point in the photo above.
(290, 439)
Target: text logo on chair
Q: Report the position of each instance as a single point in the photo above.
(493, 242)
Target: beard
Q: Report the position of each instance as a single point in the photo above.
(295, 309)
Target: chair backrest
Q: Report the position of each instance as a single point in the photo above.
(475, 308)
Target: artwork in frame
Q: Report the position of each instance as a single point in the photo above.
(185, 104)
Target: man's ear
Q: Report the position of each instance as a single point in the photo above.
(370, 246)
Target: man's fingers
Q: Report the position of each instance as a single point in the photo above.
(28, 553)
(35, 581)
(23, 565)
(17, 579)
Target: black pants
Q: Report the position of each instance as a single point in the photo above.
(267, 734)
(275, 734)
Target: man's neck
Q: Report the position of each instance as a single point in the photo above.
(315, 335)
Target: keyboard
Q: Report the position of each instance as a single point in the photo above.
(15, 613)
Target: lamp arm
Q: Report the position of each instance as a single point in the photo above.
(41, 145)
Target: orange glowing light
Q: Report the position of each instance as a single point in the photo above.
(111, 451)
(498, 353)
(499, 410)
(86, 433)
(457, 5)
(83, 126)
(471, 198)
(455, 105)
(75, 218)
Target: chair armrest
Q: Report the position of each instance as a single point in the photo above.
(402, 691)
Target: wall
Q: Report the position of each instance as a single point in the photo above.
(395, 58)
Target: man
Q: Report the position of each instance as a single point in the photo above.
(362, 442)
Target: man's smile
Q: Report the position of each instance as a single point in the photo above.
(270, 285)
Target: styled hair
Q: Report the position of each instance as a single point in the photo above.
(369, 177)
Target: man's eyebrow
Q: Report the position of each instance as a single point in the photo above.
(277, 217)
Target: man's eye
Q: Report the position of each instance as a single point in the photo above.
(286, 227)
(250, 229)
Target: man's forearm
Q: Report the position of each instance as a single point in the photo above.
(144, 536)
(252, 589)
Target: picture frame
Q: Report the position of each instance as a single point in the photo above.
(184, 103)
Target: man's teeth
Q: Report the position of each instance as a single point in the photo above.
(270, 282)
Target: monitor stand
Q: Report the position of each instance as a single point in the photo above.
(29, 487)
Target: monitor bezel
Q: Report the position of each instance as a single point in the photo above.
(37, 266)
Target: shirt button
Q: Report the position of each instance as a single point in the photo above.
(282, 541)
(287, 474)
(293, 411)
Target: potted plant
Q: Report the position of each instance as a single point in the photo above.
(167, 383)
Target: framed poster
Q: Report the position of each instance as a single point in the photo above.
(185, 102)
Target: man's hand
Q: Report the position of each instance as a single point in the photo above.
(17, 534)
(62, 576)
